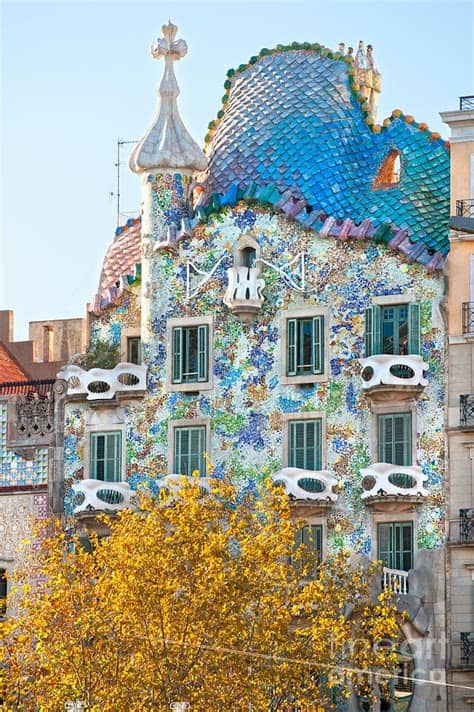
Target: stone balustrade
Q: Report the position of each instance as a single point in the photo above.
(395, 580)
(244, 290)
(382, 478)
(393, 371)
(104, 383)
(307, 484)
(100, 496)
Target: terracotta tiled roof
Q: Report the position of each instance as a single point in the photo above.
(121, 264)
(10, 370)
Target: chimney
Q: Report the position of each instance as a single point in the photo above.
(48, 343)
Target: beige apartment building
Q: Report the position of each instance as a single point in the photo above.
(460, 316)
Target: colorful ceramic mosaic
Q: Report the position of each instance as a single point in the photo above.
(14, 470)
(246, 407)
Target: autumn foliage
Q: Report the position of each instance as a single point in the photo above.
(193, 598)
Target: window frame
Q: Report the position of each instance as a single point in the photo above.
(184, 323)
(188, 423)
(101, 421)
(387, 518)
(93, 435)
(373, 327)
(408, 430)
(139, 349)
(287, 418)
(320, 529)
(304, 313)
(127, 333)
(394, 409)
(401, 553)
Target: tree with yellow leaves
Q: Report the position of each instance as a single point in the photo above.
(197, 598)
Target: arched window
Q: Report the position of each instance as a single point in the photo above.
(247, 252)
(389, 172)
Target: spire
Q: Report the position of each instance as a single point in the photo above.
(167, 145)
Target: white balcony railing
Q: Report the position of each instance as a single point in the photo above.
(104, 383)
(395, 580)
(244, 290)
(393, 371)
(100, 496)
(307, 484)
(382, 478)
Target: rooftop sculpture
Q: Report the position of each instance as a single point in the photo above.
(167, 144)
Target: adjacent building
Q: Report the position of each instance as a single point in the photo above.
(460, 495)
(30, 445)
(279, 308)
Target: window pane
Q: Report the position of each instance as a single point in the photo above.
(394, 444)
(190, 349)
(134, 349)
(305, 444)
(106, 456)
(189, 450)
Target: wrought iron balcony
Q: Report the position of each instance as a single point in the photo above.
(466, 103)
(104, 383)
(466, 656)
(461, 529)
(466, 411)
(393, 370)
(96, 496)
(465, 208)
(468, 318)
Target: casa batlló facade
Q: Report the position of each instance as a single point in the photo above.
(279, 310)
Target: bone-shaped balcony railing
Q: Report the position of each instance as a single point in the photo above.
(244, 289)
(393, 371)
(307, 484)
(100, 496)
(104, 383)
(382, 478)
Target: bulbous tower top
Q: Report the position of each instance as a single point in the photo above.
(167, 145)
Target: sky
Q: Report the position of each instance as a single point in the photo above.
(77, 76)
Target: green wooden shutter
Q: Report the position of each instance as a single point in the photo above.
(414, 329)
(203, 352)
(196, 450)
(318, 344)
(291, 364)
(177, 355)
(305, 444)
(394, 439)
(395, 545)
(177, 451)
(373, 331)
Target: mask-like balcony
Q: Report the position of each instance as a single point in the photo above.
(391, 377)
(244, 291)
(308, 487)
(92, 497)
(126, 379)
(395, 488)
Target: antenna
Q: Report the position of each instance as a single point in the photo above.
(120, 143)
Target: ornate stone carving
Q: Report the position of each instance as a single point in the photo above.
(34, 416)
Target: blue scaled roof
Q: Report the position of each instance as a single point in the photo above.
(292, 120)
